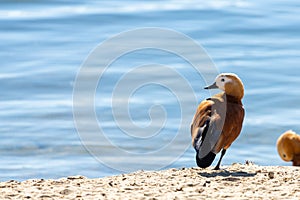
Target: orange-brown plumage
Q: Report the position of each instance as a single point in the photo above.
(288, 147)
(219, 117)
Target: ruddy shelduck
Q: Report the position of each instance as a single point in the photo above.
(218, 120)
(288, 147)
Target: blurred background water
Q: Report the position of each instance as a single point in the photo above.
(44, 43)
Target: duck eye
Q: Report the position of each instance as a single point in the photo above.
(222, 80)
(284, 155)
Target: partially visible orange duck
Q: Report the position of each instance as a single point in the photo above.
(288, 147)
(218, 120)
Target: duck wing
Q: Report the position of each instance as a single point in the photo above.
(206, 126)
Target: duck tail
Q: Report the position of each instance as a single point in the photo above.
(205, 161)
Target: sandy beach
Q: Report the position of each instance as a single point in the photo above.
(236, 181)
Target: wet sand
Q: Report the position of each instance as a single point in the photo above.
(236, 181)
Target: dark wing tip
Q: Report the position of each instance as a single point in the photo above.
(205, 161)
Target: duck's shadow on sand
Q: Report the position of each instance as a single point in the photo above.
(226, 173)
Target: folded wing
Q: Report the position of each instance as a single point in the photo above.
(206, 126)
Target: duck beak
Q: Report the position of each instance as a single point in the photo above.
(213, 86)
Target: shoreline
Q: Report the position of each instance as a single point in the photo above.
(237, 181)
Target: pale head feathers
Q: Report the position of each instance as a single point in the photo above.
(231, 84)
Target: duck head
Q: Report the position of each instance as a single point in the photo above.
(288, 147)
(230, 83)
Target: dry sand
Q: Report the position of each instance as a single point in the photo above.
(231, 182)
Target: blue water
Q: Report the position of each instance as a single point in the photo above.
(43, 45)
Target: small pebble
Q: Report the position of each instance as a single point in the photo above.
(271, 175)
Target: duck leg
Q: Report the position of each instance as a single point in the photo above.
(222, 154)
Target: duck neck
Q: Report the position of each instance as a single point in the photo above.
(233, 99)
(235, 91)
